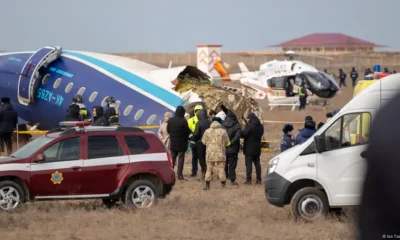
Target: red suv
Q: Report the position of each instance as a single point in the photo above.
(85, 162)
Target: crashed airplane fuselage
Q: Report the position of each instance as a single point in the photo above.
(42, 83)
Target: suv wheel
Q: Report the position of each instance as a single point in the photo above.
(11, 195)
(141, 194)
(309, 204)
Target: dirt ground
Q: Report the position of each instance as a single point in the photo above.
(188, 212)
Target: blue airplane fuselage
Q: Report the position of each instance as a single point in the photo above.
(141, 102)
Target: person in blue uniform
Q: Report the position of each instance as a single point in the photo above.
(287, 139)
(306, 132)
(386, 71)
(342, 78)
(354, 76)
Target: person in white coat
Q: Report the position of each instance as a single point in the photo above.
(162, 132)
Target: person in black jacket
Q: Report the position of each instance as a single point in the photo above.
(252, 134)
(342, 77)
(232, 126)
(73, 113)
(98, 117)
(379, 208)
(178, 131)
(354, 76)
(8, 122)
(201, 126)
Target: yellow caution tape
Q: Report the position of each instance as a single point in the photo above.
(31, 132)
(267, 121)
(41, 132)
(147, 127)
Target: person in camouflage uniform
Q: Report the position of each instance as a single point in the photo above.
(216, 139)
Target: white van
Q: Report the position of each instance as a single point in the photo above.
(327, 171)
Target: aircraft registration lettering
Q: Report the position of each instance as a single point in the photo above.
(50, 96)
(59, 71)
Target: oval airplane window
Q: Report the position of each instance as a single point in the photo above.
(45, 79)
(81, 91)
(103, 103)
(151, 119)
(128, 110)
(57, 83)
(118, 102)
(93, 96)
(69, 87)
(139, 114)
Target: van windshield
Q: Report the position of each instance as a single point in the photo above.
(31, 147)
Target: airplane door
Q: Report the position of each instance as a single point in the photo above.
(28, 78)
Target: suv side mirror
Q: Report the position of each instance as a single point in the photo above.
(320, 143)
(40, 158)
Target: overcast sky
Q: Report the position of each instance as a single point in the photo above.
(178, 25)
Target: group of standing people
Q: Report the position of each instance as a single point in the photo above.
(310, 127)
(77, 111)
(354, 75)
(215, 143)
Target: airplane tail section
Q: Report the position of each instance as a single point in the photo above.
(209, 61)
(243, 67)
(220, 68)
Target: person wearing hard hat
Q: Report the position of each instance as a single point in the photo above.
(192, 126)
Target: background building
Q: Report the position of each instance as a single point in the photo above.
(328, 43)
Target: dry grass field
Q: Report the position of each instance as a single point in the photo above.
(187, 213)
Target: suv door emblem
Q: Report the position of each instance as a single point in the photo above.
(56, 177)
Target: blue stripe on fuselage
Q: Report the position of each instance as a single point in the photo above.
(133, 79)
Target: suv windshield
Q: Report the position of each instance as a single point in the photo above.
(31, 147)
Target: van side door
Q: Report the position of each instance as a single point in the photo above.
(340, 166)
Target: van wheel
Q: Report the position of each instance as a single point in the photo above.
(309, 204)
(141, 194)
(11, 195)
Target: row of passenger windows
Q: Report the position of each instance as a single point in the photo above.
(93, 96)
(98, 147)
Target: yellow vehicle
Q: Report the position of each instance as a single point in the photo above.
(365, 122)
(368, 80)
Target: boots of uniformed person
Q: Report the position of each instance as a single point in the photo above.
(207, 187)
